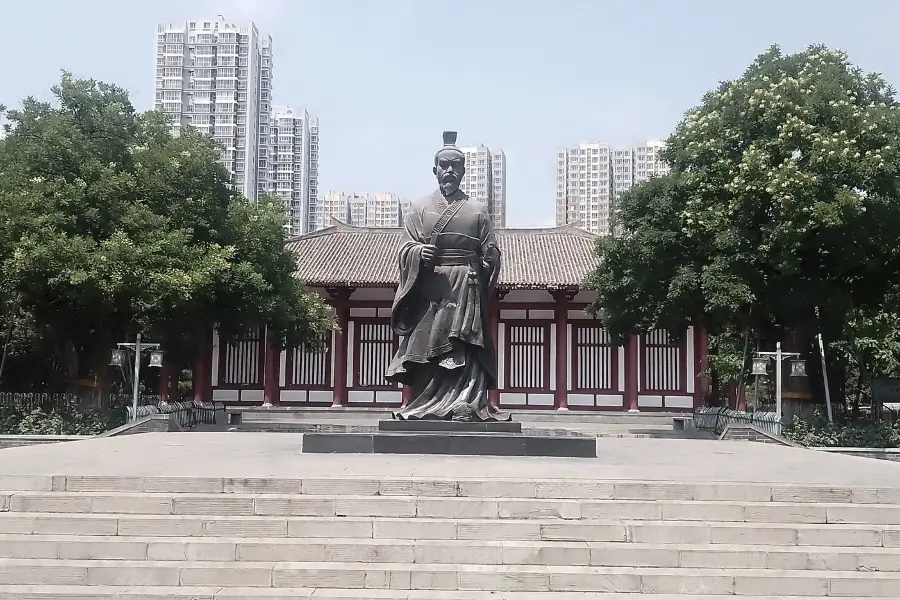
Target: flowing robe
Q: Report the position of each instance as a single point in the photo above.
(442, 311)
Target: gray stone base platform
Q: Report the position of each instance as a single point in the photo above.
(446, 437)
(293, 419)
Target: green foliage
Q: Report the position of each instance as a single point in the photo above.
(782, 198)
(843, 434)
(30, 361)
(871, 341)
(726, 349)
(110, 225)
(647, 277)
(59, 421)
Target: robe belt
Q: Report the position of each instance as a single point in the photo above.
(452, 257)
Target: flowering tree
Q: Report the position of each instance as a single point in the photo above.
(782, 203)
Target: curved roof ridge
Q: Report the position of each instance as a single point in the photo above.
(535, 258)
(568, 228)
(338, 226)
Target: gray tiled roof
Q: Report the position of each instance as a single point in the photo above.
(343, 255)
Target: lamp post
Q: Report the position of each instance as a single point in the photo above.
(824, 373)
(798, 369)
(118, 359)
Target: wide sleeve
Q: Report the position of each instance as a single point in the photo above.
(410, 263)
(490, 251)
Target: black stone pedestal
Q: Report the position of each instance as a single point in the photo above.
(448, 437)
(454, 426)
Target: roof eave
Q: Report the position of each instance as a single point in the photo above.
(387, 284)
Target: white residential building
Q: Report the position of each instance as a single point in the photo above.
(590, 176)
(648, 162)
(217, 77)
(292, 167)
(362, 210)
(485, 179)
(264, 181)
(583, 193)
(621, 171)
(498, 181)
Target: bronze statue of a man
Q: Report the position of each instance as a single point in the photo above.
(448, 271)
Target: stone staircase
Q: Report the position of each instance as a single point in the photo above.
(118, 537)
(595, 423)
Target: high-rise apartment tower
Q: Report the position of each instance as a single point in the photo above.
(293, 166)
(590, 176)
(217, 77)
(485, 180)
(362, 210)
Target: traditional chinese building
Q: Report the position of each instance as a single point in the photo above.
(551, 353)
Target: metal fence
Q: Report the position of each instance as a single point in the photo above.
(28, 401)
(50, 401)
(717, 418)
(187, 413)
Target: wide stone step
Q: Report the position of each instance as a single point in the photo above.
(528, 429)
(587, 530)
(304, 425)
(522, 578)
(48, 592)
(444, 507)
(494, 487)
(601, 554)
(589, 429)
(523, 416)
(601, 426)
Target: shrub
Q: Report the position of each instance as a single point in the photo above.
(843, 433)
(59, 421)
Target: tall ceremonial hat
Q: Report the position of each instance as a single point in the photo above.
(449, 145)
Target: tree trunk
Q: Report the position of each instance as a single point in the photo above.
(796, 394)
(85, 363)
(715, 396)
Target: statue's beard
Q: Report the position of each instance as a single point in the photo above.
(449, 186)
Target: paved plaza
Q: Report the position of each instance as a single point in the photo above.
(278, 455)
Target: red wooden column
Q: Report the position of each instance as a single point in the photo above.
(701, 363)
(163, 385)
(632, 373)
(407, 395)
(174, 380)
(203, 369)
(741, 398)
(561, 318)
(494, 395)
(271, 369)
(340, 299)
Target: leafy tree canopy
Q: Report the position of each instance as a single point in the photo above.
(110, 225)
(782, 198)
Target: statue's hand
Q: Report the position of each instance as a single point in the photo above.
(429, 251)
(491, 255)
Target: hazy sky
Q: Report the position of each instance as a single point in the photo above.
(386, 77)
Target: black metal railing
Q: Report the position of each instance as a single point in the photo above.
(717, 418)
(187, 413)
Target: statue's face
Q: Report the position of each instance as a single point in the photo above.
(449, 168)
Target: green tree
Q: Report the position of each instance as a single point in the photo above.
(782, 199)
(110, 225)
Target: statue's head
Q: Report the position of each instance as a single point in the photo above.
(449, 165)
